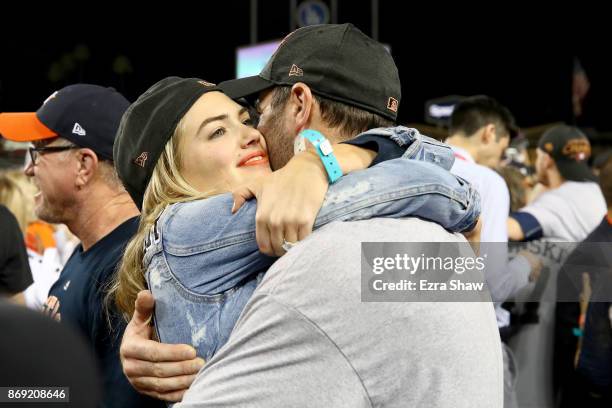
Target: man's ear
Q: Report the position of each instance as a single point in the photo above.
(488, 135)
(87, 166)
(301, 106)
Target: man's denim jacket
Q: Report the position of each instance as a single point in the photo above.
(202, 263)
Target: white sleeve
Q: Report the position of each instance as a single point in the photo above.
(504, 277)
(495, 209)
(545, 209)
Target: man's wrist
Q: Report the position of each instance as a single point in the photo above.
(311, 161)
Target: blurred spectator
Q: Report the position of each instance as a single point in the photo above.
(36, 351)
(518, 184)
(568, 210)
(73, 134)
(600, 160)
(480, 131)
(15, 275)
(573, 205)
(583, 328)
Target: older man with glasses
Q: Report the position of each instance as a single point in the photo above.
(72, 165)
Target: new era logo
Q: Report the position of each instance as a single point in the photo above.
(392, 104)
(296, 71)
(78, 130)
(206, 83)
(141, 160)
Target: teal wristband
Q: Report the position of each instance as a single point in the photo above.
(323, 149)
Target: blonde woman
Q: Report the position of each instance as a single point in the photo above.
(183, 145)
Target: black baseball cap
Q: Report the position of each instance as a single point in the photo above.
(87, 115)
(336, 61)
(147, 126)
(570, 149)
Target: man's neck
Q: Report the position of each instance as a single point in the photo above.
(98, 217)
(331, 134)
(555, 180)
(463, 143)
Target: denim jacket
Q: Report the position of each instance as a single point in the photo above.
(203, 264)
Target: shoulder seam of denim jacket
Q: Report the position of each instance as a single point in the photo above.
(393, 196)
(189, 294)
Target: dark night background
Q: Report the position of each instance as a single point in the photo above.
(527, 65)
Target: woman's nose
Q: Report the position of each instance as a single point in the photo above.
(250, 137)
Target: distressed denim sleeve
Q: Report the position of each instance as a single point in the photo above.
(204, 236)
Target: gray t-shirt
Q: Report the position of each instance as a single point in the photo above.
(305, 339)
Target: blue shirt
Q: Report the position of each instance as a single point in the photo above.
(80, 293)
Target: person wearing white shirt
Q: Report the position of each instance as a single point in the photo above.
(480, 131)
(573, 205)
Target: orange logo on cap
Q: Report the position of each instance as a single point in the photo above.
(140, 160)
(549, 147)
(392, 104)
(206, 83)
(577, 149)
(296, 71)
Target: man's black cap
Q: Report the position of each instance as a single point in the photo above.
(570, 149)
(87, 115)
(147, 126)
(336, 61)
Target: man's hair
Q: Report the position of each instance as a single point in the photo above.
(605, 181)
(478, 111)
(350, 120)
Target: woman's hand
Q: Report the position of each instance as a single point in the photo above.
(289, 199)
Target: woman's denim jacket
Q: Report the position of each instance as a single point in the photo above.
(202, 263)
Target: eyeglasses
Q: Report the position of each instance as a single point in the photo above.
(36, 151)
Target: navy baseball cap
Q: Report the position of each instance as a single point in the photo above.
(87, 115)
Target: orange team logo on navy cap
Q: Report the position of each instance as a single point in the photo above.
(577, 149)
(141, 160)
(549, 147)
(392, 104)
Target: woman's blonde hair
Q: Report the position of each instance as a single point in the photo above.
(167, 186)
(17, 194)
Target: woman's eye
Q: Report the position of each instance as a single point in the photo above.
(248, 122)
(217, 133)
